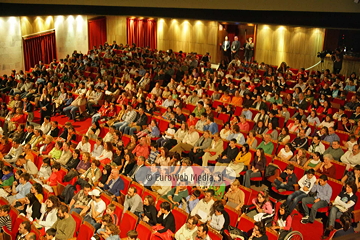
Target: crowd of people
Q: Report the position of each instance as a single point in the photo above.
(261, 110)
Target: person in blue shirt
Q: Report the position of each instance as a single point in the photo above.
(321, 199)
(211, 125)
(237, 135)
(190, 201)
(248, 114)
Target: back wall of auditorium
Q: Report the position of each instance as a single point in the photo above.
(297, 46)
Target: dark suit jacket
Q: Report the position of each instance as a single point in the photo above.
(235, 46)
(27, 137)
(54, 133)
(28, 107)
(141, 120)
(119, 185)
(167, 223)
(128, 168)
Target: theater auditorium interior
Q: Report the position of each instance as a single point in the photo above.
(160, 120)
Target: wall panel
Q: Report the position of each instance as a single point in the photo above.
(116, 29)
(11, 50)
(297, 46)
(188, 36)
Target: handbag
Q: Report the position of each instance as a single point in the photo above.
(237, 233)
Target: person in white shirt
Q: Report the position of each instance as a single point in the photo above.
(188, 142)
(351, 157)
(217, 219)
(317, 145)
(48, 212)
(203, 207)
(46, 126)
(202, 232)
(84, 145)
(96, 208)
(188, 230)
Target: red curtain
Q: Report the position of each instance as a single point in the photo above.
(142, 32)
(97, 32)
(41, 47)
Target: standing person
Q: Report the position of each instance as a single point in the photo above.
(249, 49)
(65, 225)
(337, 58)
(235, 47)
(226, 49)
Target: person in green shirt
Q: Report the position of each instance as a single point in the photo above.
(267, 145)
(218, 185)
(8, 177)
(56, 152)
(199, 109)
(176, 194)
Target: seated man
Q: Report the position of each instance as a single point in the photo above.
(15, 151)
(19, 191)
(286, 180)
(266, 145)
(24, 230)
(301, 141)
(176, 194)
(65, 225)
(322, 199)
(335, 150)
(50, 234)
(142, 149)
(27, 165)
(229, 154)
(202, 232)
(133, 202)
(352, 157)
(217, 219)
(114, 184)
(165, 220)
(204, 206)
(141, 120)
(201, 144)
(95, 209)
(305, 183)
(140, 171)
(80, 200)
(188, 142)
(188, 230)
(77, 105)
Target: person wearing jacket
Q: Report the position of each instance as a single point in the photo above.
(201, 144)
(286, 180)
(214, 150)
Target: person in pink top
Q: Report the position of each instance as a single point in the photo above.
(243, 124)
(263, 207)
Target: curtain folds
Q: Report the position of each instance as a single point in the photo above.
(97, 32)
(142, 32)
(41, 47)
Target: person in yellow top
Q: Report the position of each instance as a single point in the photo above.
(242, 159)
(214, 151)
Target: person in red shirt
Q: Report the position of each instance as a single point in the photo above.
(243, 124)
(56, 175)
(142, 149)
(191, 120)
(103, 111)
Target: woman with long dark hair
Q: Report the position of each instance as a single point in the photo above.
(256, 167)
(282, 221)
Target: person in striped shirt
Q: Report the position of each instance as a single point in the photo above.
(4, 217)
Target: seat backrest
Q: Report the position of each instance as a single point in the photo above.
(336, 187)
(129, 224)
(144, 230)
(214, 235)
(139, 188)
(233, 215)
(36, 231)
(86, 231)
(3, 201)
(246, 224)
(247, 192)
(271, 234)
(78, 220)
(161, 200)
(180, 217)
(127, 181)
(106, 198)
(13, 215)
(147, 192)
(340, 169)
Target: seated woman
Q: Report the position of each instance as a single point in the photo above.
(151, 130)
(257, 166)
(56, 152)
(242, 160)
(93, 174)
(344, 203)
(315, 162)
(327, 122)
(74, 160)
(132, 144)
(235, 197)
(263, 207)
(322, 133)
(251, 139)
(284, 136)
(282, 221)
(5, 144)
(84, 145)
(48, 212)
(165, 228)
(150, 212)
(327, 168)
(98, 148)
(103, 112)
(94, 130)
(8, 177)
(31, 209)
(163, 158)
(127, 164)
(345, 222)
(55, 177)
(260, 128)
(107, 153)
(259, 232)
(300, 157)
(112, 232)
(84, 164)
(294, 126)
(353, 176)
(18, 118)
(286, 152)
